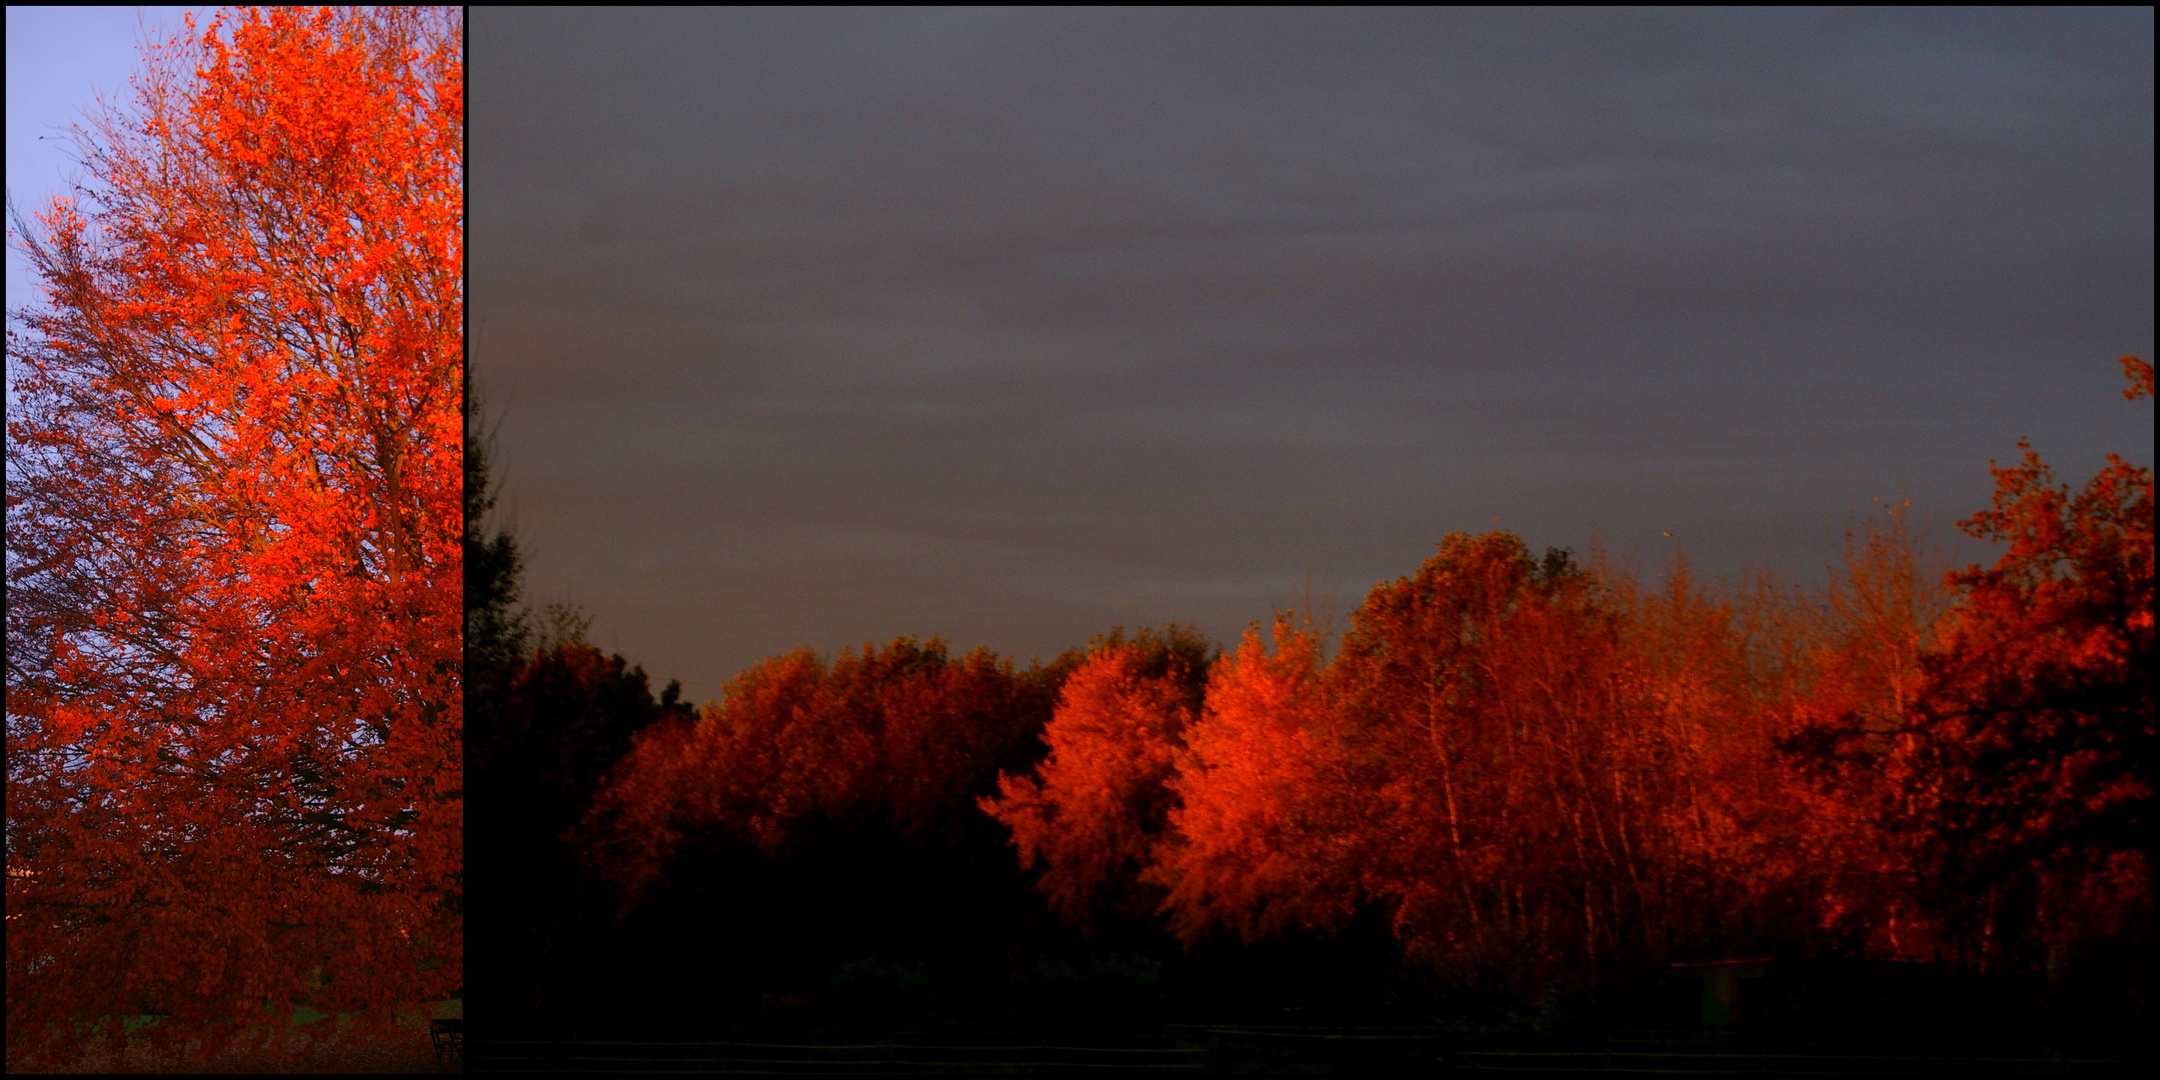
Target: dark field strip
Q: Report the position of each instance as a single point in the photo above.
(408, 1050)
(819, 1059)
(1235, 1051)
(1707, 1063)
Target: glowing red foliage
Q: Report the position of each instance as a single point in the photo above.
(233, 516)
(901, 739)
(2030, 771)
(1258, 789)
(1093, 810)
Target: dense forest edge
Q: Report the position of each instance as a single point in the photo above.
(1526, 796)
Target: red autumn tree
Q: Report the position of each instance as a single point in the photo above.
(1092, 811)
(1857, 672)
(1416, 676)
(2027, 781)
(818, 815)
(1699, 823)
(1542, 772)
(1525, 770)
(233, 514)
(1264, 804)
(901, 739)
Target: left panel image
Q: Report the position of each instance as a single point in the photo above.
(235, 353)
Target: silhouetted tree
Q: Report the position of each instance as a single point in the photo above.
(546, 716)
(495, 631)
(554, 722)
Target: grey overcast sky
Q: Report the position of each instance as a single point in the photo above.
(821, 327)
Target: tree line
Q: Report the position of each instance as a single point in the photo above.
(1516, 775)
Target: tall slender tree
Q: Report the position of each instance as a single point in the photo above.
(234, 731)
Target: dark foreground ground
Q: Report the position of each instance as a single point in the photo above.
(1746, 1018)
(411, 1051)
(1259, 1052)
